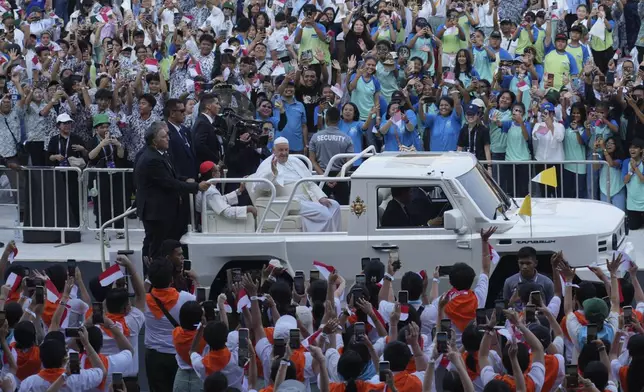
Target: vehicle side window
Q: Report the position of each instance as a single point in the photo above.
(407, 207)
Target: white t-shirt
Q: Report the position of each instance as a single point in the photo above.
(117, 363)
(85, 381)
(158, 332)
(485, 20)
(548, 146)
(537, 373)
(234, 373)
(135, 321)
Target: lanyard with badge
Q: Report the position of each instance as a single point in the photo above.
(109, 158)
(64, 162)
(471, 147)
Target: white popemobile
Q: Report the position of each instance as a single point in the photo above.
(452, 185)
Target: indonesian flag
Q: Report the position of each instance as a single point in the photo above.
(13, 281)
(111, 275)
(194, 68)
(100, 18)
(312, 338)
(227, 307)
(379, 317)
(379, 284)
(4, 58)
(404, 312)
(36, 64)
(423, 274)
(152, 65)
(243, 301)
(52, 292)
(494, 255)
(12, 255)
(324, 269)
(187, 19)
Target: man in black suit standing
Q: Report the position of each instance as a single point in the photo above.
(181, 148)
(396, 214)
(209, 145)
(160, 191)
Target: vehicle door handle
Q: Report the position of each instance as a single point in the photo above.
(384, 247)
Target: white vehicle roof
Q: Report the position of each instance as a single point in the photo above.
(423, 165)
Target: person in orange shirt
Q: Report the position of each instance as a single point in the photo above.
(23, 350)
(350, 367)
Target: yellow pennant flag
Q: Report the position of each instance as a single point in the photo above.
(547, 177)
(526, 208)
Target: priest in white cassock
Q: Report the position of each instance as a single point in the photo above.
(318, 212)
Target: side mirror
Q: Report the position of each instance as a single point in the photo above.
(453, 220)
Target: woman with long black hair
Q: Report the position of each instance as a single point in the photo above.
(357, 39)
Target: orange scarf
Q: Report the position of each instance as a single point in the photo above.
(267, 389)
(461, 308)
(411, 365)
(299, 360)
(216, 360)
(529, 384)
(182, 340)
(168, 297)
(623, 378)
(552, 370)
(354, 319)
(14, 296)
(48, 312)
(106, 363)
(580, 317)
(407, 382)
(362, 386)
(118, 319)
(51, 375)
(28, 361)
(269, 331)
(473, 375)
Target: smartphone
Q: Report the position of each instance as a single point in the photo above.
(294, 339)
(393, 255)
(97, 313)
(363, 263)
(117, 382)
(298, 284)
(40, 295)
(314, 275)
(481, 317)
(361, 279)
(243, 353)
(403, 297)
(77, 78)
(299, 273)
(359, 331)
(530, 313)
(441, 342)
(628, 315)
(572, 377)
(610, 78)
(535, 298)
(551, 77)
(74, 363)
(499, 306)
(383, 365)
(591, 332)
(237, 275)
(71, 332)
(209, 310)
(279, 348)
(71, 267)
(201, 294)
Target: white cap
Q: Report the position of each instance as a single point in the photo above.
(337, 91)
(280, 140)
(478, 102)
(63, 118)
(283, 325)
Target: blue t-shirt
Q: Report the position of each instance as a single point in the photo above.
(444, 131)
(355, 132)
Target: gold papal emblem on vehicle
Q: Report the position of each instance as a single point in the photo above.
(358, 207)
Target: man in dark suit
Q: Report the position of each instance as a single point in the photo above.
(209, 145)
(159, 191)
(396, 214)
(181, 148)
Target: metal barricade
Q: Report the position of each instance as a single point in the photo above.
(39, 192)
(515, 178)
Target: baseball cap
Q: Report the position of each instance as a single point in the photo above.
(421, 22)
(291, 386)
(206, 166)
(478, 102)
(100, 119)
(229, 5)
(595, 310)
(472, 109)
(561, 36)
(542, 333)
(548, 106)
(495, 34)
(63, 118)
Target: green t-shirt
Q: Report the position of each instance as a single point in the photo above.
(635, 189)
(498, 138)
(517, 149)
(574, 151)
(616, 180)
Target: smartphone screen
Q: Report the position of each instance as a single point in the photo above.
(361, 279)
(299, 273)
(243, 353)
(499, 305)
(74, 363)
(572, 377)
(71, 267)
(187, 265)
(363, 263)
(383, 366)
(591, 332)
(446, 325)
(237, 275)
(441, 342)
(481, 317)
(40, 295)
(97, 313)
(201, 294)
(359, 331)
(530, 314)
(314, 275)
(628, 314)
(535, 298)
(403, 297)
(279, 348)
(298, 282)
(71, 332)
(117, 382)
(209, 310)
(294, 339)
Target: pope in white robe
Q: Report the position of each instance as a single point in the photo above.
(318, 212)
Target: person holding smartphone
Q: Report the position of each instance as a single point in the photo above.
(190, 316)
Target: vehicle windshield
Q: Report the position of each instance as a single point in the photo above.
(484, 191)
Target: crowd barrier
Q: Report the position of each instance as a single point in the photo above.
(34, 191)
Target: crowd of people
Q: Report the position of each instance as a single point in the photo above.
(269, 330)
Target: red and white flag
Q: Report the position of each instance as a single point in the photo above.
(12, 255)
(111, 275)
(194, 68)
(312, 338)
(227, 307)
(423, 274)
(379, 317)
(404, 312)
(52, 292)
(324, 269)
(494, 255)
(187, 19)
(243, 301)
(13, 281)
(151, 65)
(36, 64)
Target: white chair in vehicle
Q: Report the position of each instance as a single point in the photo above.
(292, 220)
(214, 223)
